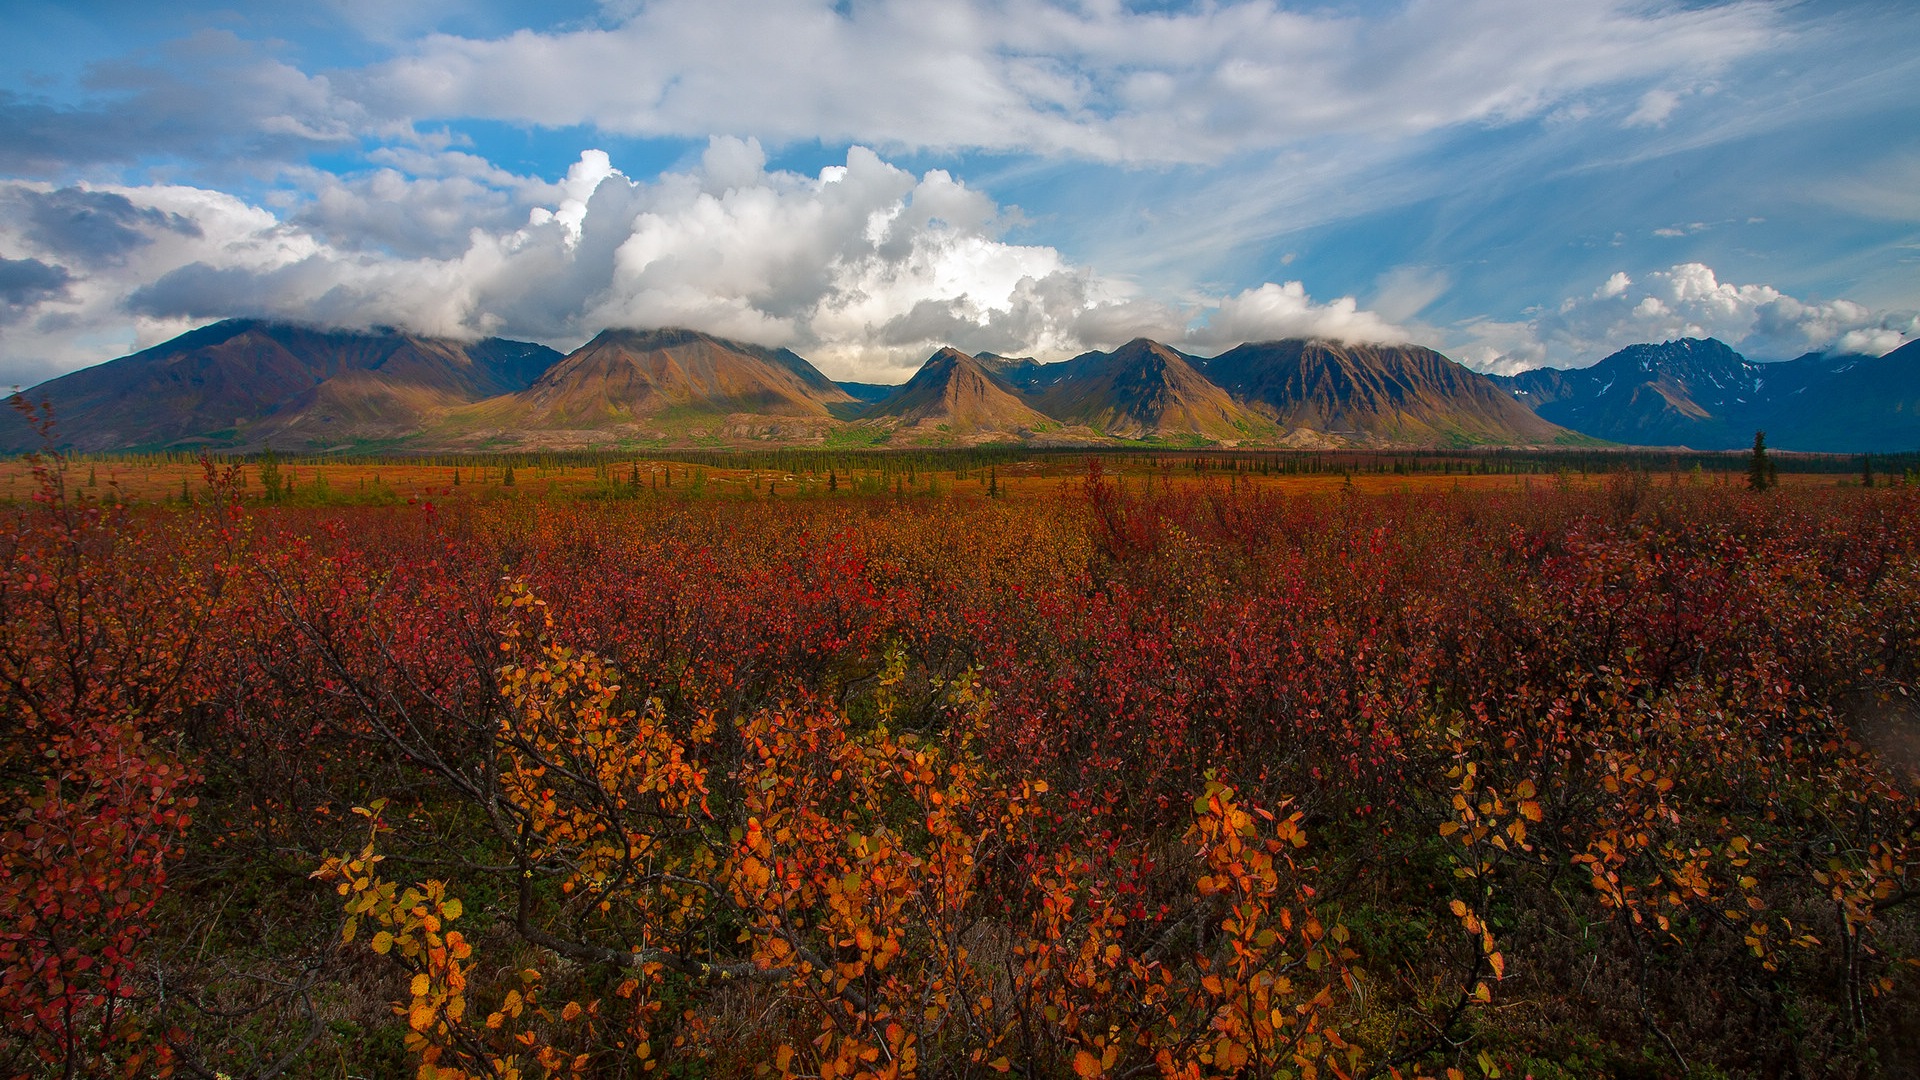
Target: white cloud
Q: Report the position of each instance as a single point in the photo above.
(1406, 291)
(1654, 108)
(1099, 80)
(865, 267)
(1687, 300)
(1274, 311)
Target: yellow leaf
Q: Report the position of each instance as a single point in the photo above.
(452, 909)
(1460, 909)
(1000, 1064)
(382, 942)
(420, 985)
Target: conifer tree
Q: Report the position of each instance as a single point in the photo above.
(1759, 466)
(270, 474)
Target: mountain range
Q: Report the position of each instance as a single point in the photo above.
(244, 384)
(1702, 394)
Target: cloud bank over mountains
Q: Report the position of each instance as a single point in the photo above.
(864, 267)
(1683, 301)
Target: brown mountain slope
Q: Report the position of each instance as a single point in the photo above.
(1375, 395)
(953, 395)
(242, 383)
(629, 377)
(1143, 390)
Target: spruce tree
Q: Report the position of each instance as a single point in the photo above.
(270, 474)
(1759, 467)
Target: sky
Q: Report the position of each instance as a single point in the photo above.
(1517, 183)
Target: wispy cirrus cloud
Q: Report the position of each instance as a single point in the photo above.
(1100, 81)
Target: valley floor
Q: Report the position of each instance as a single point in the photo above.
(1148, 765)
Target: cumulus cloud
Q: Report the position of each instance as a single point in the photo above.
(1103, 80)
(26, 282)
(863, 267)
(1274, 311)
(418, 204)
(1687, 300)
(90, 226)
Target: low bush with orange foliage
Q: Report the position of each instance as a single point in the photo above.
(1212, 781)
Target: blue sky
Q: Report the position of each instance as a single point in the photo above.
(1516, 182)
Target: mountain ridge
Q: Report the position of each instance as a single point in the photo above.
(1703, 394)
(1143, 390)
(953, 395)
(245, 383)
(1377, 394)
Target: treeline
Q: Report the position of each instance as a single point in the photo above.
(1066, 461)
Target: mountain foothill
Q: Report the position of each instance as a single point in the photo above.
(245, 384)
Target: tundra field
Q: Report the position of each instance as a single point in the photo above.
(1163, 764)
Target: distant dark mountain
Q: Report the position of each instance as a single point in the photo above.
(1375, 394)
(1848, 404)
(1020, 372)
(244, 383)
(868, 392)
(1690, 392)
(660, 384)
(954, 396)
(1141, 390)
(1790, 378)
(1702, 394)
(863, 396)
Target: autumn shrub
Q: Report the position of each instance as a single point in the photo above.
(1174, 779)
